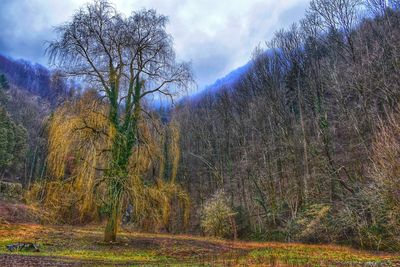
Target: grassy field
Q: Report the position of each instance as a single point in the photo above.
(83, 246)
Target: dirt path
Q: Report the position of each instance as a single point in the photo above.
(15, 260)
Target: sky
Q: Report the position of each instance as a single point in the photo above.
(216, 36)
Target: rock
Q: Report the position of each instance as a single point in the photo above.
(23, 246)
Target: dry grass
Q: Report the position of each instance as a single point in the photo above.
(82, 246)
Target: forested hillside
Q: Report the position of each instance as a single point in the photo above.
(305, 144)
(36, 79)
(28, 94)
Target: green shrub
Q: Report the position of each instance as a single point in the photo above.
(10, 191)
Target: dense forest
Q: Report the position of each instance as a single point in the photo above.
(301, 145)
(305, 144)
(28, 95)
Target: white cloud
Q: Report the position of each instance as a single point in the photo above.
(221, 35)
(216, 36)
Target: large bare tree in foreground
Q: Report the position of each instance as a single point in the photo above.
(126, 59)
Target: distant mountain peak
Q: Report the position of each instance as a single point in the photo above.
(227, 81)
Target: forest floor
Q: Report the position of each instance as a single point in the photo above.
(83, 246)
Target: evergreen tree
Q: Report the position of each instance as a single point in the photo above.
(4, 86)
(12, 143)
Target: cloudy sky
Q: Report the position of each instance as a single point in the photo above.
(217, 36)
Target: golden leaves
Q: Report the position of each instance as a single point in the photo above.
(81, 140)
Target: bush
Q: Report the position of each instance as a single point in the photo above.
(363, 220)
(385, 189)
(217, 218)
(311, 225)
(385, 171)
(10, 191)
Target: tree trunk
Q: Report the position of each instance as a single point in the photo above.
(306, 175)
(110, 233)
(122, 149)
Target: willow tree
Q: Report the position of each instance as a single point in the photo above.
(127, 59)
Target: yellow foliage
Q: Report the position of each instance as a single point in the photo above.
(153, 202)
(80, 141)
(175, 151)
